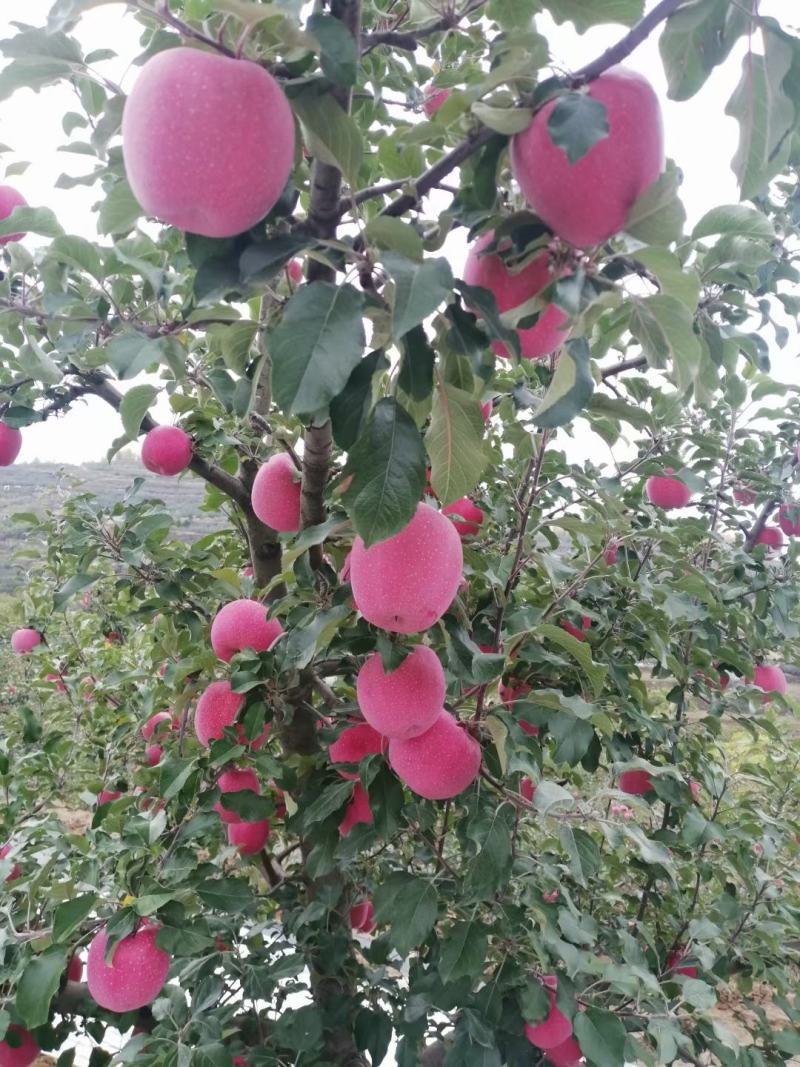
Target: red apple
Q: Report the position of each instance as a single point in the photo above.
(167, 450)
(235, 780)
(789, 519)
(667, 492)
(636, 783)
(295, 271)
(10, 442)
(136, 974)
(568, 1054)
(16, 870)
(75, 969)
(771, 536)
(434, 99)
(362, 917)
(611, 553)
(357, 811)
(470, 515)
(276, 493)
(556, 1028)
(675, 961)
(248, 837)
(579, 635)
(407, 701)
(243, 624)
(159, 724)
(354, 744)
(106, 796)
(208, 141)
(771, 679)
(9, 200)
(153, 754)
(745, 496)
(24, 1050)
(588, 201)
(25, 640)
(439, 764)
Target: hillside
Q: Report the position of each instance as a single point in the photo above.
(41, 487)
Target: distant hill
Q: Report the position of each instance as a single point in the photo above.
(41, 487)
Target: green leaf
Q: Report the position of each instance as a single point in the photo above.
(463, 951)
(699, 994)
(135, 405)
(579, 650)
(71, 586)
(741, 220)
(39, 220)
(695, 39)
(226, 894)
(573, 737)
(577, 123)
(396, 235)
(664, 328)
(483, 303)
(455, 442)
(416, 369)
(571, 388)
(338, 53)
(131, 353)
(388, 465)
(120, 211)
(77, 252)
(601, 1036)
(489, 871)
(36, 362)
(331, 134)
(38, 986)
(262, 261)
(587, 13)
(583, 853)
(173, 776)
(658, 216)
(674, 280)
(550, 795)
(419, 289)
(331, 799)
(350, 408)
(507, 120)
(765, 115)
(68, 916)
(316, 346)
(408, 906)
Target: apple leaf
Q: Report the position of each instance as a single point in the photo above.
(408, 905)
(38, 985)
(571, 388)
(664, 328)
(338, 53)
(350, 408)
(601, 1035)
(331, 134)
(658, 215)
(695, 39)
(455, 442)
(739, 220)
(419, 289)
(577, 123)
(38, 220)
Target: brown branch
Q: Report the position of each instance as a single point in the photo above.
(622, 366)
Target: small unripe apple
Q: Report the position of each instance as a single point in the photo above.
(636, 783)
(439, 764)
(243, 624)
(10, 444)
(167, 450)
(567, 1054)
(556, 1028)
(248, 837)
(771, 536)
(106, 796)
(10, 198)
(137, 973)
(789, 519)
(276, 494)
(235, 780)
(362, 917)
(468, 516)
(434, 99)
(357, 811)
(16, 870)
(158, 724)
(512, 290)
(75, 969)
(406, 583)
(153, 754)
(771, 679)
(25, 640)
(667, 492)
(208, 141)
(354, 744)
(24, 1050)
(675, 963)
(588, 201)
(406, 702)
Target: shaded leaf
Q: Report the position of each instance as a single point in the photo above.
(455, 442)
(571, 388)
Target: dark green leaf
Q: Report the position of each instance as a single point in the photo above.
(577, 123)
(408, 905)
(226, 894)
(38, 985)
(68, 916)
(463, 951)
(135, 405)
(455, 442)
(571, 388)
(419, 289)
(601, 1036)
(331, 134)
(338, 53)
(72, 586)
(416, 368)
(350, 407)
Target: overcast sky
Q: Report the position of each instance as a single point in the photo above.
(699, 136)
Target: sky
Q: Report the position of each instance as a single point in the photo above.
(699, 136)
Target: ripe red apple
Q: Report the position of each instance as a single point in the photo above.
(248, 837)
(439, 764)
(527, 789)
(556, 1028)
(567, 1054)
(434, 99)
(243, 624)
(208, 141)
(25, 640)
(357, 811)
(667, 492)
(138, 970)
(247, 572)
(295, 271)
(675, 961)
(105, 796)
(235, 780)
(771, 536)
(486, 410)
(512, 290)
(406, 702)
(16, 870)
(354, 744)
(153, 754)
(167, 450)
(75, 969)
(789, 519)
(58, 681)
(276, 493)
(636, 783)
(745, 496)
(694, 788)
(10, 444)
(771, 679)
(158, 724)
(24, 1050)
(611, 553)
(217, 708)
(406, 583)
(588, 201)
(9, 199)
(579, 635)
(470, 514)
(362, 917)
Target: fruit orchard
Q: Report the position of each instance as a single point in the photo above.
(443, 748)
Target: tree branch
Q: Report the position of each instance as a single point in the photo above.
(408, 41)
(623, 365)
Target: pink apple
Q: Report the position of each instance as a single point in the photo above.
(771, 679)
(276, 494)
(556, 1028)
(771, 536)
(24, 1050)
(467, 517)
(58, 681)
(153, 754)
(636, 783)
(243, 624)
(217, 708)
(675, 963)
(567, 1054)
(25, 640)
(160, 723)
(512, 290)
(106, 796)
(486, 410)
(745, 496)
(439, 764)
(354, 744)
(357, 811)
(295, 271)
(9, 200)
(362, 917)
(10, 444)
(407, 701)
(434, 99)
(208, 141)
(406, 583)
(248, 837)
(527, 788)
(235, 780)
(75, 969)
(588, 201)
(167, 450)
(667, 492)
(16, 870)
(137, 972)
(789, 519)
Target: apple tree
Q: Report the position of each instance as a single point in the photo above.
(466, 737)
